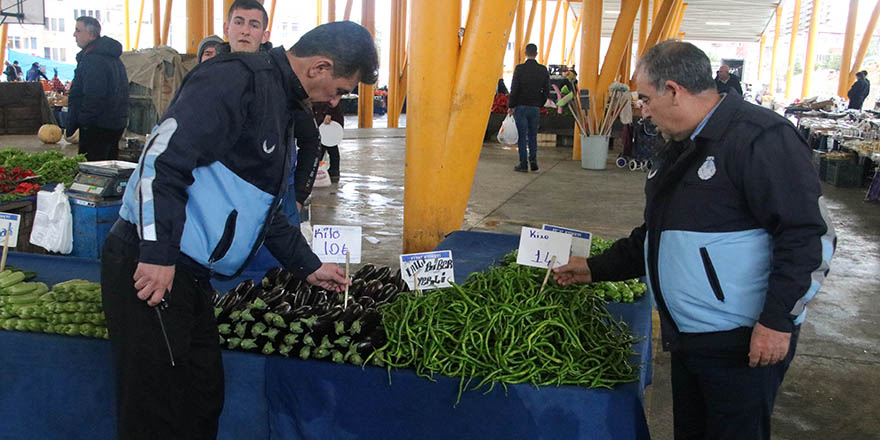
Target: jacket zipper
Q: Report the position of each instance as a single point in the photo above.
(225, 241)
(711, 274)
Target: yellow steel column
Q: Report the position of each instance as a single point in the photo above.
(403, 64)
(811, 42)
(208, 18)
(545, 53)
(347, 15)
(655, 10)
(574, 37)
(319, 6)
(867, 36)
(194, 30)
(543, 28)
(627, 58)
(137, 35)
(331, 11)
(622, 31)
(564, 29)
(671, 28)
(664, 14)
(434, 50)
(761, 54)
(588, 71)
(795, 24)
(226, 5)
(481, 56)
(677, 28)
(643, 25)
(848, 41)
(271, 16)
(157, 24)
(127, 18)
(519, 33)
(394, 65)
(4, 31)
(529, 24)
(166, 22)
(776, 32)
(365, 91)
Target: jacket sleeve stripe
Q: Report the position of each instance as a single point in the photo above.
(161, 137)
(829, 245)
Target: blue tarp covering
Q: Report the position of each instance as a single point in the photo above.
(65, 71)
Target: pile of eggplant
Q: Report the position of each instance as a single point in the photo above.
(285, 316)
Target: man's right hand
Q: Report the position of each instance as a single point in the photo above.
(152, 282)
(327, 119)
(576, 271)
(329, 276)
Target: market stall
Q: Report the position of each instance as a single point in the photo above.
(275, 397)
(846, 146)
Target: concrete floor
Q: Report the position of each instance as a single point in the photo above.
(831, 390)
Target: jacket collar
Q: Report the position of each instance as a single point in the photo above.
(293, 88)
(720, 119)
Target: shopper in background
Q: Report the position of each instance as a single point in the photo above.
(98, 104)
(11, 76)
(324, 114)
(210, 47)
(725, 82)
(529, 90)
(859, 90)
(18, 75)
(34, 73)
(734, 244)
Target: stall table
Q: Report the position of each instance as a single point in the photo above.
(62, 387)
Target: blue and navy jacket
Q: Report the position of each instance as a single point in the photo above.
(209, 184)
(99, 90)
(735, 232)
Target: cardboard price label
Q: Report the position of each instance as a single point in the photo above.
(580, 240)
(427, 270)
(537, 248)
(331, 243)
(9, 228)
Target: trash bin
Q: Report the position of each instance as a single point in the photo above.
(594, 152)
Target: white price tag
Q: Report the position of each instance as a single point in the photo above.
(330, 243)
(427, 270)
(580, 240)
(9, 227)
(537, 247)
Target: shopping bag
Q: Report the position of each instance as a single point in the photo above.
(53, 221)
(322, 177)
(507, 134)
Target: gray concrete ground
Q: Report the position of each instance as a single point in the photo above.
(831, 390)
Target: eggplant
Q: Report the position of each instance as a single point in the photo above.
(268, 348)
(233, 343)
(353, 312)
(356, 288)
(372, 288)
(367, 323)
(305, 352)
(271, 275)
(293, 284)
(252, 294)
(275, 297)
(337, 356)
(283, 278)
(281, 308)
(366, 302)
(365, 271)
(383, 274)
(284, 350)
(244, 286)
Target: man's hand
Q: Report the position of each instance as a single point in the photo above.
(510, 111)
(576, 271)
(328, 276)
(768, 346)
(153, 281)
(327, 119)
(299, 206)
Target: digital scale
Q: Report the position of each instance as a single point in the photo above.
(101, 180)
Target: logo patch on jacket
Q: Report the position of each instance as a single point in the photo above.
(266, 149)
(707, 170)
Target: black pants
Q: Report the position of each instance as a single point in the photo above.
(721, 399)
(333, 152)
(154, 399)
(99, 143)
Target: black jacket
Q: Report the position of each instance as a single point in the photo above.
(308, 153)
(34, 74)
(734, 233)
(732, 85)
(530, 85)
(858, 92)
(99, 90)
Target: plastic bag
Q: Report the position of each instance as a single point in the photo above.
(507, 134)
(53, 222)
(322, 177)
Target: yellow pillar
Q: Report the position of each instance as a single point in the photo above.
(319, 12)
(795, 24)
(671, 24)
(663, 16)
(394, 60)
(271, 16)
(588, 70)
(545, 54)
(627, 58)
(564, 29)
(811, 42)
(348, 5)
(226, 5)
(4, 30)
(137, 35)
(209, 18)
(127, 18)
(157, 24)
(529, 24)
(194, 30)
(577, 26)
(365, 91)
(761, 55)
(677, 28)
(166, 22)
(848, 41)
(543, 28)
(622, 31)
(331, 11)
(776, 32)
(866, 41)
(643, 25)
(434, 57)
(655, 10)
(519, 33)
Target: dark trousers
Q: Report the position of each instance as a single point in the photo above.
(99, 143)
(333, 152)
(153, 399)
(526, 118)
(721, 399)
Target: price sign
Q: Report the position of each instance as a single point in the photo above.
(9, 227)
(427, 270)
(537, 247)
(330, 243)
(580, 240)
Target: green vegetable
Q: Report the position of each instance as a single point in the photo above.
(11, 279)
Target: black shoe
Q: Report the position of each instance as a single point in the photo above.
(521, 168)
(534, 166)
(334, 179)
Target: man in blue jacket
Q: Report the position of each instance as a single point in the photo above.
(205, 197)
(98, 104)
(734, 244)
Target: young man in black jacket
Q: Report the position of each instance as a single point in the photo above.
(205, 197)
(859, 91)
(529, 90)
(734, 244)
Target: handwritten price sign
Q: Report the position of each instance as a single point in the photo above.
(537, 248)
(427, 270)
(331, 243)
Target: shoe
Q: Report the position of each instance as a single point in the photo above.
(534, 166)
(334, 179)
(521, 168)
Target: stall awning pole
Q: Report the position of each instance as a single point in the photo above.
(795, 24)
(137, 34)
(776, 33)
(157, 23)
(365, 91)
(848, 41)
(394, 59)
(127, 17)
(166, 22)
(761, 55)
(564, 30)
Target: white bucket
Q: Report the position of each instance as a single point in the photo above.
(594, 152)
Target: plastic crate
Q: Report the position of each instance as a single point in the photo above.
(845, 173)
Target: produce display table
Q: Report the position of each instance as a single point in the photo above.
(62, 387)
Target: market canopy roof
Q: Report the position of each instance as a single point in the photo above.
(722, 20)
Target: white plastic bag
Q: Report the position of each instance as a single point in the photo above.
(53, 222)
(507, 134)
(322, 177)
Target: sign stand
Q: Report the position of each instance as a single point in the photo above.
(5, 251)
(547, 275)
(347, 262)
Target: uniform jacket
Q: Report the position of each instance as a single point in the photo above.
(99, 90)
